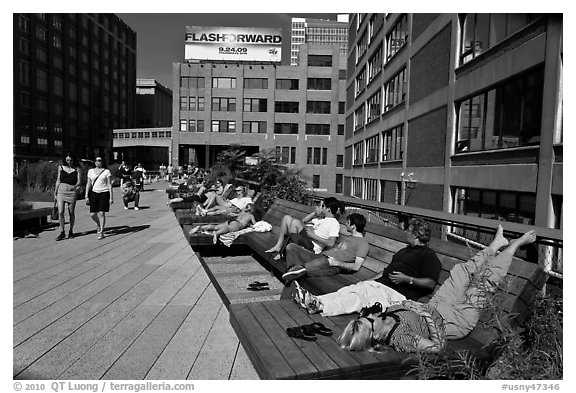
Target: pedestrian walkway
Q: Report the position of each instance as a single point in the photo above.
(134, 305)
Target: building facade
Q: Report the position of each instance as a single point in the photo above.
(74, 81)
(297, 111)
(318, 32)
(153, 104)
(457, 113)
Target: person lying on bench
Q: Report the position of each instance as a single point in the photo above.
(452, 312)
(235, 204)
(412, 274)
(203, 194)
(316, 231)
(241, 221)
(347, 255)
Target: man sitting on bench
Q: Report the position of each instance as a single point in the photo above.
(412, 274)
(451, 314)
(347, 255)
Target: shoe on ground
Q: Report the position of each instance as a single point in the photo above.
(61, 236)
(294, 273)
(71, 235)
(125, 207)
(100, 236)
(136, 208)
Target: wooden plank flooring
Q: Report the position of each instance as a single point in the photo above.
(135, 305)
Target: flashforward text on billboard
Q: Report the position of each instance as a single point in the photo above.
(233, 43)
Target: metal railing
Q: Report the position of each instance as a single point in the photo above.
(475, 232)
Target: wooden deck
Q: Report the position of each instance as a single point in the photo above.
(135, 305)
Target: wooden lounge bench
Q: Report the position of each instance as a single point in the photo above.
(261, 327)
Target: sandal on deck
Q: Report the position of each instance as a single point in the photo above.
(298, 332)
(259, 288)
(258, 284)
(319, 328)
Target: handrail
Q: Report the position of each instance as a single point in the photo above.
(546, 236)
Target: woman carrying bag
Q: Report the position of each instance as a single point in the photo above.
(99, 195)
(67, 184)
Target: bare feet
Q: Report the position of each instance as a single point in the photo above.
(527, 238)
(194, 230)
(273, 249)
(499, 239)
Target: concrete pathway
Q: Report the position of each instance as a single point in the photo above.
(134, 305)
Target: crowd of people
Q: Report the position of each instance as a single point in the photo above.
(389, 312)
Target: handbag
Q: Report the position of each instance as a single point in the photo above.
(55, 216)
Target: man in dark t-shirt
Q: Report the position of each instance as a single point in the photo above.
(412, 274)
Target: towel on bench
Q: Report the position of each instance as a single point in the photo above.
(228, 238)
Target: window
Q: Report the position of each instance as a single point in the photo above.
(340, 129)
(73, 93)
(341, 107)
(193, 82)
(393, 144)
(223, 104)
(25, 140)
(223, 83)
(370, 189)
(183, 124)
(191, 103)
(42, 126)
(58, 146)
(375, 64)
(374, 108)
(286, 106)
(57, 42)
(340, 160)
(361, 46)
(58, 62)
(396, 39)
(357, 187)
(41, 33)
(285, 128)
(25, 73)
(360, 83)
(200, 104)
(254, 127)
(183, 103)
(41, 80)
(338, 184)
(25, 100)
(372, 149)
(24, 23)
(255, 83)
(191, 125)
(507, 116)
(359, 118)
(374, 25)
(483, 31)
(287, 84)
(319, 84)
(24, 46)
(228, 126)
(319, 60)
(508, 206)
(286, 154)
(315, 181)
(42, 142)
(58, 86)
(255, 104)
(395, 91)
(358, 153)
(318, 107)
(317, 129)
(199, 127)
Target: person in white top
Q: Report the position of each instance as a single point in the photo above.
(99, 195)
(316, 231)
(234, 205)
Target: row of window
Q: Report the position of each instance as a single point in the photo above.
(42, 142)
(142, 134)
(376, 190)
(256, 127)
(228, 104)
(394, 40)
(198, 82)
(314, 156)
(386, 146)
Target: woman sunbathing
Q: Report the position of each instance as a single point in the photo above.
(451, 314)
(241, 221)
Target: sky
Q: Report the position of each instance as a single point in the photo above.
(160, 36)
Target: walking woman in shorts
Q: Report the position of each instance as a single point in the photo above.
(67, 182)
(99, 195)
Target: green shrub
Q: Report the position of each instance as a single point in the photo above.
(38, 176)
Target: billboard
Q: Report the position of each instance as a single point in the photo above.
(233, 43)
